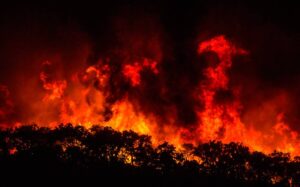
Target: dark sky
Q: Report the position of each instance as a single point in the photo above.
(257, 25)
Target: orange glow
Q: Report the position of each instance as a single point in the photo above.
(84, 98)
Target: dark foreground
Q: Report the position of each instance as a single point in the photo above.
(101, 156)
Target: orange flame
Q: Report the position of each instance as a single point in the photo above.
(83, 101)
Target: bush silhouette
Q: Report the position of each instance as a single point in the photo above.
(73, 155)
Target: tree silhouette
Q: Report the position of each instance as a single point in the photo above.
(68, 155)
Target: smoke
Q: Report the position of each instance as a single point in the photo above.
(90, 63)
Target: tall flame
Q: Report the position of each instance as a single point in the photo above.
(86, 99)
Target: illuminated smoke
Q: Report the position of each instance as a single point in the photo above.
(106, 94)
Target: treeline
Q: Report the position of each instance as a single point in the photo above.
(100, 156)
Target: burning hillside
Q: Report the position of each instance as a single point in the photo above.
(133, 76)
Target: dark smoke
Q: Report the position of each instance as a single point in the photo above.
(166, 31)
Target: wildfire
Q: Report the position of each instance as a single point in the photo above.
(56, 88)
(86, 98)
(132, 72)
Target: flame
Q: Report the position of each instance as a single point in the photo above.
(85, 99)
(223, 121)
(132, 72)
(219, 121)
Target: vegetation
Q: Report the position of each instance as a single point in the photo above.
(100, 156)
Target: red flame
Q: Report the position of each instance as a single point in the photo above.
(86, 99)
(132, 72)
